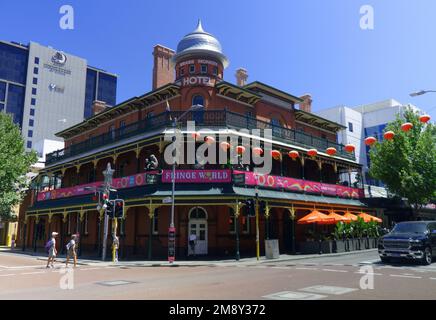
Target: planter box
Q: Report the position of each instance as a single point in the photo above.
(340, 246)
(308, 247)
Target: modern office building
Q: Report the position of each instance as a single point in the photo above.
(47, 90)
(364, 121)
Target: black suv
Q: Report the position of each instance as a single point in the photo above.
(412, 240)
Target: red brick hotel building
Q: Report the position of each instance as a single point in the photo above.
(208, 198)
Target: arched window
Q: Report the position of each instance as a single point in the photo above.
(197, 213)
(197, 99)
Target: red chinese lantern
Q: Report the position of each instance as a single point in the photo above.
(406, 126)
(240, 149)
(257, 151)
(389, 135)
(276, 154)
(312, 152)
(424, 118)
(293, 154)
(350, 148)
(209, 140)
(370, 141)
(224, 145)
(196, 135)
(331, 151)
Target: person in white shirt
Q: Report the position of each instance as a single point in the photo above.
(52, 250)
(193, 241)
(71, 250)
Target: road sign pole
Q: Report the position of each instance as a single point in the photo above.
(257, 228)
(106, 226)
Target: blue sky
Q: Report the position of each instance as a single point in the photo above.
(310, 46)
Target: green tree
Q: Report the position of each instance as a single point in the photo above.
(15, 162)
(407, 163)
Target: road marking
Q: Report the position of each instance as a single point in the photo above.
(293, 295)
(282, 268)
(7, 275)
(403, 276)
(38, 272)
(369, 273)
(305, 268)
(90, 269)
(333, 270)
(329, 290)
(432, 278)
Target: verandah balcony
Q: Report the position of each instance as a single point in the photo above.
(212, 119)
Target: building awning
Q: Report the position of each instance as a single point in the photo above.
(137, 195)
(271, 194)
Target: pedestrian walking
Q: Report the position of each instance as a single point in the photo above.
(52, 252)
(71, 250)
(192, 241)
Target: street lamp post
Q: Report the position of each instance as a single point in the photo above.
(421, 92)
(257, 225)
(172, 229)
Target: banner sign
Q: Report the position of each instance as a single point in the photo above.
(118, 183)
(198, 176)
(277, 182)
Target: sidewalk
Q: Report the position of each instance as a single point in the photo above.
(189, 263)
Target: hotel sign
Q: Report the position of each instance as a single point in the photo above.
(57, 64)
(198, 80)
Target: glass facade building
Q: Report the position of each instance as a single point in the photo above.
(99, 86)
(376, 132)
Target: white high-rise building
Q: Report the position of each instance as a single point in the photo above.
(364, 121)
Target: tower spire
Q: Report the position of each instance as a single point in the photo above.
(199, 27)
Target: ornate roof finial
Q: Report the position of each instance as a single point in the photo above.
(199, 27)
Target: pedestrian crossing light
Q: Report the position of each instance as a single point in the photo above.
(249, 208)
(119, 208)
(110, 208)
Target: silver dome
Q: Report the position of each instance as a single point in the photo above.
(200, 42)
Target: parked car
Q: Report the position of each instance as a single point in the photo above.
(411, 240)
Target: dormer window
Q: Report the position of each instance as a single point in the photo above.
(215, 71)
(182, 71)
(204, 68)
(191, 68)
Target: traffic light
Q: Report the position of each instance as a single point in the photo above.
(249, 208)
(119, 208)
(110, 208)
(262, 207)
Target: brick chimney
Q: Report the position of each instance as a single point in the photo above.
(306, 105)
(98, 106)
(241, 77)
(163, 67)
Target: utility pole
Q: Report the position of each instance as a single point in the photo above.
(257, 225)
(108, 174)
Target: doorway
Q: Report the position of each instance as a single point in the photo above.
(197, 227)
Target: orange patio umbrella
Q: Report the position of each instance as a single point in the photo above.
(316, 217)
(367, 217)
(338, 218)
(350, 216)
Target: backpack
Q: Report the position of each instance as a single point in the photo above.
(48, 245)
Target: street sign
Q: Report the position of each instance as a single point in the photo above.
(167, 200)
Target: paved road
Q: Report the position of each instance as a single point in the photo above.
(24, 277)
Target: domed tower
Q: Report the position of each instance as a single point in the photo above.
(199, 60)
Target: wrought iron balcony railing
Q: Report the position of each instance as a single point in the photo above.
(203, 119)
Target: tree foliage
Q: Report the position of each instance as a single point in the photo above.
(14, 164)
(407, 163)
